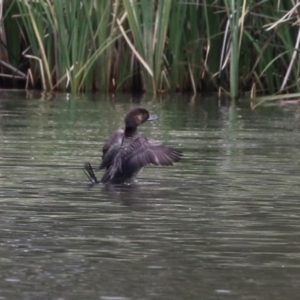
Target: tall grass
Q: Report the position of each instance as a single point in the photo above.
(153, 46)
(65, 41)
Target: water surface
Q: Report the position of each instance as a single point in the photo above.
(221, 224)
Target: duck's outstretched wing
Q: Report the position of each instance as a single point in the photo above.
(145, 151)
(133, 156)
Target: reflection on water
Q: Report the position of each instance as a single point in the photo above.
(222, 223)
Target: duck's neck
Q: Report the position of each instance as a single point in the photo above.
(130, 131)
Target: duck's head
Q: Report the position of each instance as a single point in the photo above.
(138, 116)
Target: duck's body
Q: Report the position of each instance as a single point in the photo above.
(126, 152)
(110, 149)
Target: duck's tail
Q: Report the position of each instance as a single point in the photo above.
(89, 172)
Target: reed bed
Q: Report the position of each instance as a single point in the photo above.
(151, 46)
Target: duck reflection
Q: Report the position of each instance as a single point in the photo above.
(131, 194)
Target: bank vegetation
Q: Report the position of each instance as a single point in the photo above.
(151, 46)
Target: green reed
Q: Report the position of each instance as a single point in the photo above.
(154, 46)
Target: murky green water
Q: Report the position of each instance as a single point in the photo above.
(221, 224)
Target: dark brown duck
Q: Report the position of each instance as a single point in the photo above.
(127, 152)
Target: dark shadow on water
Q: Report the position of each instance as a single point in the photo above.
(129, 194)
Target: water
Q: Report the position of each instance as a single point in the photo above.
(221, 224)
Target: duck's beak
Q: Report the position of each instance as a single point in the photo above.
(152, 117)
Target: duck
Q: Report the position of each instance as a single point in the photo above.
(126, 152)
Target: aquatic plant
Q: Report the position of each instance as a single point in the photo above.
(153, 46)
